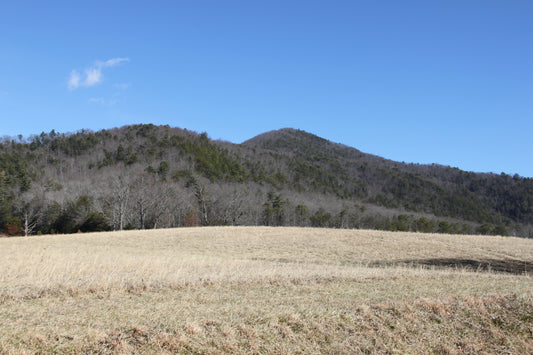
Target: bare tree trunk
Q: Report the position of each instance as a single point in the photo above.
(121, 198)
(29, 225)
(142, 213)
(201, 196)
(31, 212)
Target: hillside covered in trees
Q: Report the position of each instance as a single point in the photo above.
(146, 176)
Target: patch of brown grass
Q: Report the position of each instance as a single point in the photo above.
(262, 290)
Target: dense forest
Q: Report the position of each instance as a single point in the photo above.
(146, 176)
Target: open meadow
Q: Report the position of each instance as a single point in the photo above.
(266, 290)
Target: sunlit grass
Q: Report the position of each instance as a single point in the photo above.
(264, 290)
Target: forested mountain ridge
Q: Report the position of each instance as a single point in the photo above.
(435, 189)
(146, 176)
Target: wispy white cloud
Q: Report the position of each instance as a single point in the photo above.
(74, 80)
(93, 75)
(114, 61)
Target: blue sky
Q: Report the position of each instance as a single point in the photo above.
(444, 81)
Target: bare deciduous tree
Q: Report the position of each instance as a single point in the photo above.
(30, 208)
(118, 201)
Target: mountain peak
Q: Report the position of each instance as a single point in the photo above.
(284, 139)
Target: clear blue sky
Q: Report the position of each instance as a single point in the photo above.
(444, 81)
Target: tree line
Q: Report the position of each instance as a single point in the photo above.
(147, 176)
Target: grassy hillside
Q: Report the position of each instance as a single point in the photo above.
(264, 290)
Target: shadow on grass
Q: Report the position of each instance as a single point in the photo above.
(503, 266)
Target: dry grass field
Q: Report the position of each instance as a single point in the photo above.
(265, 290)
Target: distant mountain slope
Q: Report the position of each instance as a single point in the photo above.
(144, 176)
(439, 190)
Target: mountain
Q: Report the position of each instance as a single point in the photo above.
(439, 190)
(146, 176)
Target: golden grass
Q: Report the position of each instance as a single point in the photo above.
(265, 290)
